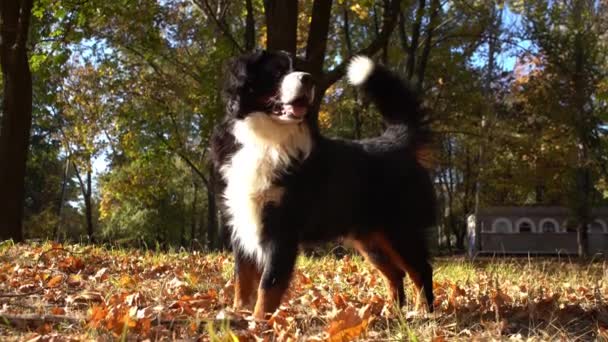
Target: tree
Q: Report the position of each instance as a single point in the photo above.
(569, 35)
(16, 114)
(87, 100)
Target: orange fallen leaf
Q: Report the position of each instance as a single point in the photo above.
(71, 264)
(58, 311)
(55, 281)
(348, 324)
(44, 329)
(98, 314)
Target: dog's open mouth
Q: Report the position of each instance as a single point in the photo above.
(296, 109)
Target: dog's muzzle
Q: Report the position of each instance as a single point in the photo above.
(297, 94)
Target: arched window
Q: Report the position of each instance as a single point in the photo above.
(525, 225)
(502, 225)
(597, 227)
(549, 225)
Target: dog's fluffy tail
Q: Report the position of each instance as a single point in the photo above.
(397, 103)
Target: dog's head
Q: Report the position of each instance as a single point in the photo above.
(267, 82)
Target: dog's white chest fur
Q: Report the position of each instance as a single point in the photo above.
(267, 148)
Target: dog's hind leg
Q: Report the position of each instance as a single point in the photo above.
(374, 251)
(247, 277)
(421, 274)
(408, 257)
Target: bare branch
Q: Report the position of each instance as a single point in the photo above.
(204, 6)
(388, 24)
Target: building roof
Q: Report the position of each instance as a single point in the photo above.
(536, 210)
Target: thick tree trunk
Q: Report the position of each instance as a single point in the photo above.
(281, 24)
(249, 26)
(16, 115)
(317, 36)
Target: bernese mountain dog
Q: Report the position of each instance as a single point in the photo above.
(282, 184)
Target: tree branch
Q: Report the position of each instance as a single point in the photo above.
(24, 23)
(388, 24)
(317, 35)
(411, 52)
(185, 159)
(204, 6)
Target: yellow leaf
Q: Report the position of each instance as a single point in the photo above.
(126, 281)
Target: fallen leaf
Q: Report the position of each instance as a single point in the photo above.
(347, 325)
(58, 311)
(55, 281)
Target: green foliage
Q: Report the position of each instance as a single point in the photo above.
(137, 84)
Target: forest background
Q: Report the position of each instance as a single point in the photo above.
(108, 105)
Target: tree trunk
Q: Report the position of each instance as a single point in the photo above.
(357, 110)
(212, 226)
(89, 208)
(281, 24)
(413, 46)
(460, 235)
(584, 130)
(17, 115)
(64, 185)
(317, 36)
(85, 190)
(428, 44)
(492, 41)
(249, 26)
(193, 213)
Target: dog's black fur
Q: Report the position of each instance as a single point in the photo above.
(375, 192)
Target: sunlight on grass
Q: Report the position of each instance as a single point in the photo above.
(135, 292)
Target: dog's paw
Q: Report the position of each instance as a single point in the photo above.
(359, 70)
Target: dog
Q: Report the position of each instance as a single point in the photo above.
(282, 184)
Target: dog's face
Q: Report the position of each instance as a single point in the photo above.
(267, 82)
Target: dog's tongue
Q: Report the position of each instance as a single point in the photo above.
(294, 110)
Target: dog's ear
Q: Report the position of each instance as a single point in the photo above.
(234, 82)
(236, 75)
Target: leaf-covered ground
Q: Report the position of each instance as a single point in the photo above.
(72, 292)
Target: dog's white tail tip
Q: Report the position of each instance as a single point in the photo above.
(359, 70)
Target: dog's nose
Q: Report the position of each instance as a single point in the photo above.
(305, 79)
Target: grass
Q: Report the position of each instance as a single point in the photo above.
(126, 294)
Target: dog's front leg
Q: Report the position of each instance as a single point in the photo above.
(279, 262)
(247, 278)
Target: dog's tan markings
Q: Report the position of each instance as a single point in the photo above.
(247, 279)
(268, 301)
(425, 155)
(397, 260)
(391, 273)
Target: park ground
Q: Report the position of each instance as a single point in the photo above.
(74, 292)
